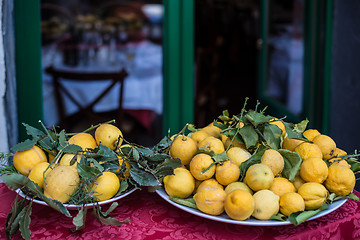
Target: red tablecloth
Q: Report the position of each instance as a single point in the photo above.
(153, 218)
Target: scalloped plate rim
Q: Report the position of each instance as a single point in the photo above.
(73, 206)
(249, 222)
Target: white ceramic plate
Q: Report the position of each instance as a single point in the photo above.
(75, 207)
(251, 221)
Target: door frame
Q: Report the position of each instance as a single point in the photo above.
(317, 65)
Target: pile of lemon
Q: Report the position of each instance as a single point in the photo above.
(58, 175)
(264, 191)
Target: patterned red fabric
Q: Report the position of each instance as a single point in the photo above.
(153, 218)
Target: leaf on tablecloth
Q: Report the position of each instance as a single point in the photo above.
(300, 217)
(25, 222)
(14, 212)
(79, 220)
(105, 219)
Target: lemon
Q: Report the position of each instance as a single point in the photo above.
(68, 157)
(341, 180)
(314, 195)
(310, 134)
(212, 144)
(238, 185)
(212, 130)
(200, 135)
(109, 136)
(83, 140)
(61, 183)
(210, 201)
(281, 186)
(307, 150)
(239, 204)
(326, 144)
(209, 184)
(238, 155)
(291, 143)
(266, 204)
(259, 176)
(274, 160)
(200, 163)
(125, 174)
(184, 148)
(24, 161)
(227, 172)
(105, 186)
(291, 202)
(279, 124)
(37, 173)
(298, 181)
(314, 169)
(181, 184)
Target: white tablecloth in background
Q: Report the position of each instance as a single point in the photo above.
(142, 88)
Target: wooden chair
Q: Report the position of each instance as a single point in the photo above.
(85, 111)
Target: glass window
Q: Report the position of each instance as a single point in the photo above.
(100, 37)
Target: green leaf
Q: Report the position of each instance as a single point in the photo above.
(301, 127)
(96, 164)
(249, 136)
(112, 207)
(300, 217)
(107, 220)
(46, 143)
(14, 212)
(291, 133)
(254, 159)
(353, 197)
(257, 118)
(167, 167)
(71, 148)
(25, 145)
(15, 180)
(79, 220)
(188, 202)
(34, 132)
(62, 138)
(123, 186)
(145, 151)
(292, 163)
(221, 157)
(16, 223)
(25, 222)
(157, 157)
(279, 217)
(135, 154)
(87, 172)
(143, 178)
(272, 136)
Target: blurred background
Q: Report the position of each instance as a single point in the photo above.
(174, 62)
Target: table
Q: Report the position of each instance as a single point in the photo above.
(151, 217)
(143, 88)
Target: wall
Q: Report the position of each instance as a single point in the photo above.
(345, 86)
(4, 146)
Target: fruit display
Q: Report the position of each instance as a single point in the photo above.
(67, 171)
(256, 166)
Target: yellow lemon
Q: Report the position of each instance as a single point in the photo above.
(210, 201)
(83, 140)
(61, 183)
(274, 160)
(212, 144)
(326, 144)
(209, 184)
(227, 172)
(238, 155)
(291, 202)
(238, 185)
(291, 143)
(184, 148)
(239, 204)
(266, 204)
(105, 186)
(314, 169)
(337, 158)
(279, 124)
(314, 195)
(228, 143)
(37, 173)
(298, 181)
(200, 135)
(307, 150)
(212, 130)
(259, 176)
(124, 174)
(200, 163)
(310, 134)
(109, 136)
(181, 184)
(281, 186)
(67, 158)
(24, 161)
(341, 180)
